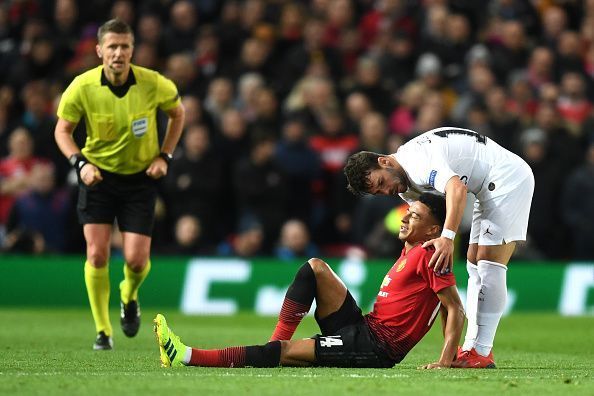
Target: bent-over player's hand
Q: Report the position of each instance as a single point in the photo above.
(157, 169)
(434, 366)
(90, 174)
(442, 260)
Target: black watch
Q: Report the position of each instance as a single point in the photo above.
(166, 156)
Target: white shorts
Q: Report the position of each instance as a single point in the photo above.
(503, 218)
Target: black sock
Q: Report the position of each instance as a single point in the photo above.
(303, 288)
(267, 355)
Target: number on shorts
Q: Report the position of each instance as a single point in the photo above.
(479, 138)
(330, 341)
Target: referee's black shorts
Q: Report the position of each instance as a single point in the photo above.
(346, 340)
(128, 198)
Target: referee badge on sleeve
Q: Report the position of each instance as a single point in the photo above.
(140, 126)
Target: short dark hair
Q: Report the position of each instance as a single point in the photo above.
(113, 26)
(437, 206)
(357, 170)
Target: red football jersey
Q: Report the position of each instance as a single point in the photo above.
(407, 302)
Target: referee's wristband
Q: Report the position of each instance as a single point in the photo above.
(448, 234)
(78, 161)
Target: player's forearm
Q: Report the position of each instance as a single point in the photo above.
(452, 333)
(175, 126)
(455, 204)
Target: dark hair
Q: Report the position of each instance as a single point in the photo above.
(357, 170)
(437, 206)
(113, 26)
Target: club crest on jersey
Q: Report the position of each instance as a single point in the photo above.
(432, 178)
(401, 265)
(140, 126)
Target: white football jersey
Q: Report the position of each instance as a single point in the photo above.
(430, 160)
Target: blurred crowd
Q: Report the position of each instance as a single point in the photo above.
(279, 93)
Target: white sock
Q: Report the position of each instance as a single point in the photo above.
(491, 303)
(472, 291)
(187, 356)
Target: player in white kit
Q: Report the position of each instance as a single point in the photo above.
(454, 161)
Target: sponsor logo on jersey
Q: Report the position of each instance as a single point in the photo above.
(386, 281)
(140, 126)
(432, 178)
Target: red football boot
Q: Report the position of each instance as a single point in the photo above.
(471, 359)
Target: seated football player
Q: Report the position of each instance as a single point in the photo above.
(410, 297)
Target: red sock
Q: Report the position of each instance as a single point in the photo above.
(228, 357)
(289, 318)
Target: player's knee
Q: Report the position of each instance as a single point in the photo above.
(318, 266)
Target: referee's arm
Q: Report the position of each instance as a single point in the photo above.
(158, 168)
(63, 135)
(175, 126)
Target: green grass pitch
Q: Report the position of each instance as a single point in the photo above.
(48, 352)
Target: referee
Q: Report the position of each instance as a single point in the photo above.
(118, 167)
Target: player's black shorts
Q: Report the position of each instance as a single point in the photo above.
(346, 340)
(128, 198)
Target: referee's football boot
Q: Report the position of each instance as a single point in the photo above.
(130, 317)
(103, 342)
(171, 349)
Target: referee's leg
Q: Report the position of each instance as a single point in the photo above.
(136, 253)
(98, 238)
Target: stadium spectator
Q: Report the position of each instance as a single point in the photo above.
(397, 63)
(565, 148)
(512, 53)
(42, 212)
(194, 182)
(381, 338)
(260, 188)
(402, 119)
(188, 238)
(545, 223)
(357, 106)
(247, 241)
(302, 168)
(373, 133)
(574, 107)
(267, 119)
(15, 170)
(181, 70)
(480, 80)
(311, 50)
(578, 213)
(219, 99)
(179, 36)
(118, 166)
(503, 125)
(295, 241)
(368, 82)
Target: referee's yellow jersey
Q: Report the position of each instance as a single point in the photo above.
(121, 131)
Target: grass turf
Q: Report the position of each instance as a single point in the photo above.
(48, 352)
